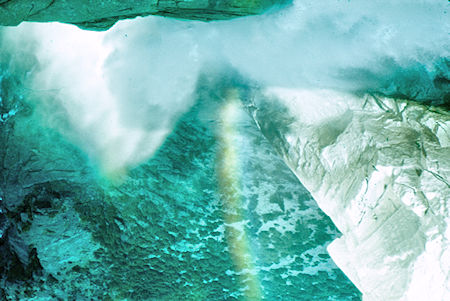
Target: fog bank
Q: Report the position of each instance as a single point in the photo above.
(122, 90)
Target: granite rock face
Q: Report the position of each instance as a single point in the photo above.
(380, 168)
(101, 15)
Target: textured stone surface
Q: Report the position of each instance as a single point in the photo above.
(380, 168)
(101, 14)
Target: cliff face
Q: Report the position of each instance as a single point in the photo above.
(379, 168)
(101, 15)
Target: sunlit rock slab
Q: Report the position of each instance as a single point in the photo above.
(380, 168)
(101, 15)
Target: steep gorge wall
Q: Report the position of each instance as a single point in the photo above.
(380, 168)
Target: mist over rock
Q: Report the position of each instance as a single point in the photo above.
(101, 15)
(68, 233)
(130, 169)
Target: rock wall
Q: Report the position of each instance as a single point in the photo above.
(101, 15)
(380, 168)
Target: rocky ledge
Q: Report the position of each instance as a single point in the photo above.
(101, 15)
